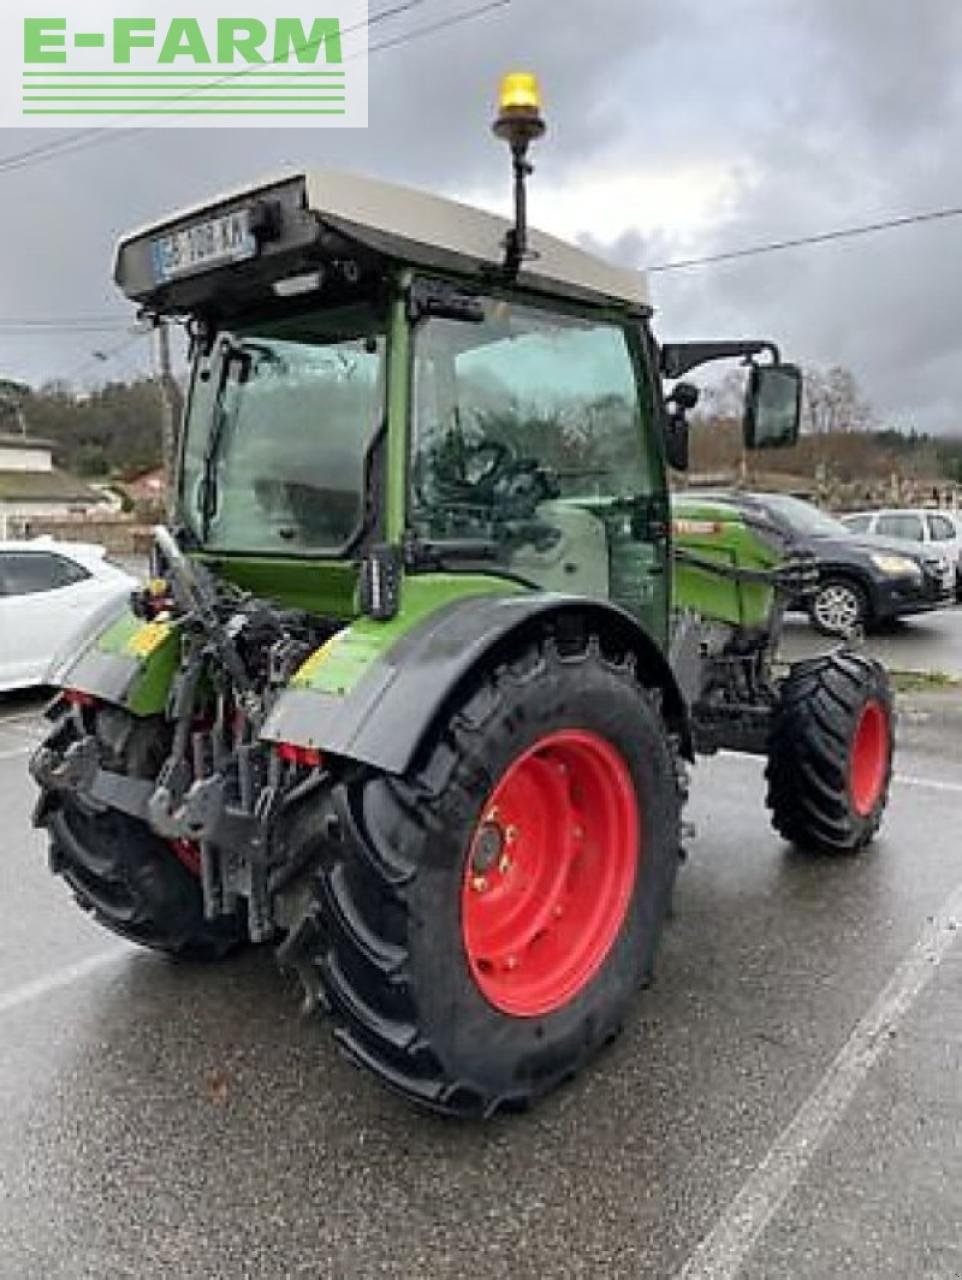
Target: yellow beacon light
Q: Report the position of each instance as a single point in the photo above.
(519, 109)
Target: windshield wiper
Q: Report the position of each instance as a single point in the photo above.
(231, 352)
(208, 484)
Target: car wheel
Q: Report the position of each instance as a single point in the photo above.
(838, 608)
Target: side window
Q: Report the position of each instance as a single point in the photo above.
(29, 572)
(858, 524)
(941, 529)
(901, 525)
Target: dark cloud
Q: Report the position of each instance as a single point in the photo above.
(821, 112)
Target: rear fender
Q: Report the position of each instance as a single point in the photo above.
(123, 661)
(383, 719)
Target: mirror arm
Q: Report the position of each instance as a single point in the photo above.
(679, 358)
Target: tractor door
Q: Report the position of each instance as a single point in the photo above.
(533, 448)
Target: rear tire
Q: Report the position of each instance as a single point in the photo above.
(380, 935)
(830, 753)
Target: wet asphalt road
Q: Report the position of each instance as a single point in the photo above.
(928, 642)
(171, 1121)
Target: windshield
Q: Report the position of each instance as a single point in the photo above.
(805, 518)
(281, 421)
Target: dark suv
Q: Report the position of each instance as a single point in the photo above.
(862, 581)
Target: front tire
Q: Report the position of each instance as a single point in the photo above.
(830, 753)
(550, 789)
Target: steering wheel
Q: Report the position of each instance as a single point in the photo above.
(500, 458)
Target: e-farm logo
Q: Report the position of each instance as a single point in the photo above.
(98, 64)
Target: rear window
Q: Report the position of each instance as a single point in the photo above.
(24, 573)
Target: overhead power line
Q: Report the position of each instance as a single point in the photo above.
(84, 139)
(821, 237)
(98, 358)
(23, 326)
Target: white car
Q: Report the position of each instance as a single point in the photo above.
(48, 593)
(939, 531)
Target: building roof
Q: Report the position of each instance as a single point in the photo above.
(394, 221)
(147, 484)
(9, 439)
(45, 486)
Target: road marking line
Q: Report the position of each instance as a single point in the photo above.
(935, 784)
(12, 755)
(18, 734)
(903, 779)
(21, 716)
(721, 1253)
(41, 987)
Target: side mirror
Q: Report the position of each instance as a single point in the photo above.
(773, 406)
(681, 402)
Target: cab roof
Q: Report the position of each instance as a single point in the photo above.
(320, 213)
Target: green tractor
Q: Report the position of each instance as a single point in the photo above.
(413, 689)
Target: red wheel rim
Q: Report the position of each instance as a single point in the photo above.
(869, 760)
(550, 873)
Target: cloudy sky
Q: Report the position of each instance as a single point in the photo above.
(678, 128)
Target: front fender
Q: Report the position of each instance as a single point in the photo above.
(383, 718)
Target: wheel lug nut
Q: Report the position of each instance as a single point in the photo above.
(511, 835)
(488, 848)
(557, 912)
(479, 884)
(505, 864)
(511, 962)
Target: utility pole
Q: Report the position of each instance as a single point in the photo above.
(171, 407)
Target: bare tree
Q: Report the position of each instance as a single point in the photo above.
(834, 402)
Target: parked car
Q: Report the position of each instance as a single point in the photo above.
(49, 591)
(864, 581)
(937, 530)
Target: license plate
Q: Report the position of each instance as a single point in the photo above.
(206, 244)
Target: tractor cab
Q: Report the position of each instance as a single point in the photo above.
(367, 374)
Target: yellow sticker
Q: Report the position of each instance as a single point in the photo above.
(307, 668)
(148, 638)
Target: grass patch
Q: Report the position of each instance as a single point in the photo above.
(923, 681)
